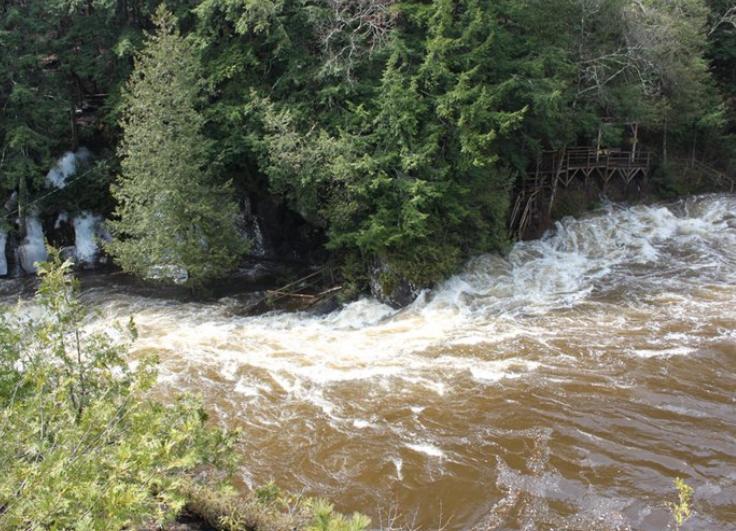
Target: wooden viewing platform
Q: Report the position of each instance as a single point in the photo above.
(560, 168)
(567, 164)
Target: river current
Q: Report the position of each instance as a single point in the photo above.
(563, 386)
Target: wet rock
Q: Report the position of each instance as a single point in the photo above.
(168, 273)
(325, 306)
(390, 288)
(68, 253)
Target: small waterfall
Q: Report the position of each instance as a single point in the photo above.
(253, 231)
(33, 248)
(86, 228)
(257, 246)
(3, 259)
(66, 167)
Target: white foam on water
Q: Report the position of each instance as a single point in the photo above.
(427, 449)
(663, 353)
(642, 282)
(493, 303)
(246, 390)
(492, 372)
(398, 464)
(476, 324)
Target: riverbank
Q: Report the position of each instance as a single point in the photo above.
(268, 508)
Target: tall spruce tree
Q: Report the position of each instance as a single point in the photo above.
(171, 215)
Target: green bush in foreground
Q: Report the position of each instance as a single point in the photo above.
(268, 508)
(83, 446)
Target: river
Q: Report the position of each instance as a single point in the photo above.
(563, 386)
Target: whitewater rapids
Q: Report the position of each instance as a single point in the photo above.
(562, 386)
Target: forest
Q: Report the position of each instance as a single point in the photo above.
(391, 134)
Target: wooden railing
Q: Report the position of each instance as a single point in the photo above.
(555, 169)
(589, 158)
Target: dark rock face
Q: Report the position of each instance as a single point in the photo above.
(285, 234)
(326, 306)
(391, 289)
(11, 255)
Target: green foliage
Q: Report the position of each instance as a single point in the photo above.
(412, 176)
(268, 508)
(83, 446)
(399, 129)
(325, 519)
(170, 214)
(55, 55)
(34, 101)
(682, 510)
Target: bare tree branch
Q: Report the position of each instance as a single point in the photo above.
(728, 17)
(351, 30)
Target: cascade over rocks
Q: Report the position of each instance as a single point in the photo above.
(87, 230)
(277, 233)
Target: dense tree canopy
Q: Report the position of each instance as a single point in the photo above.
(399, 129)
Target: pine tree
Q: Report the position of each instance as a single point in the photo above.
(174, 223)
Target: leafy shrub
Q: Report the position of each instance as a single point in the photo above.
(682, 510)
(83, 446)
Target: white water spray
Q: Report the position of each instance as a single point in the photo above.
(253, 231)
(86, 229)
(497, 301)
(33, 248)
(66, 167)
(62, 218)
(257, 245)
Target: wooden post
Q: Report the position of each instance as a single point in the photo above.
(22, 193)
(74, 129)
(635, 140)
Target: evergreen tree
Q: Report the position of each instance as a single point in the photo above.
(34, 98)
(171, 215)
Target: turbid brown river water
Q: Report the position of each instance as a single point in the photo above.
(564, 386)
